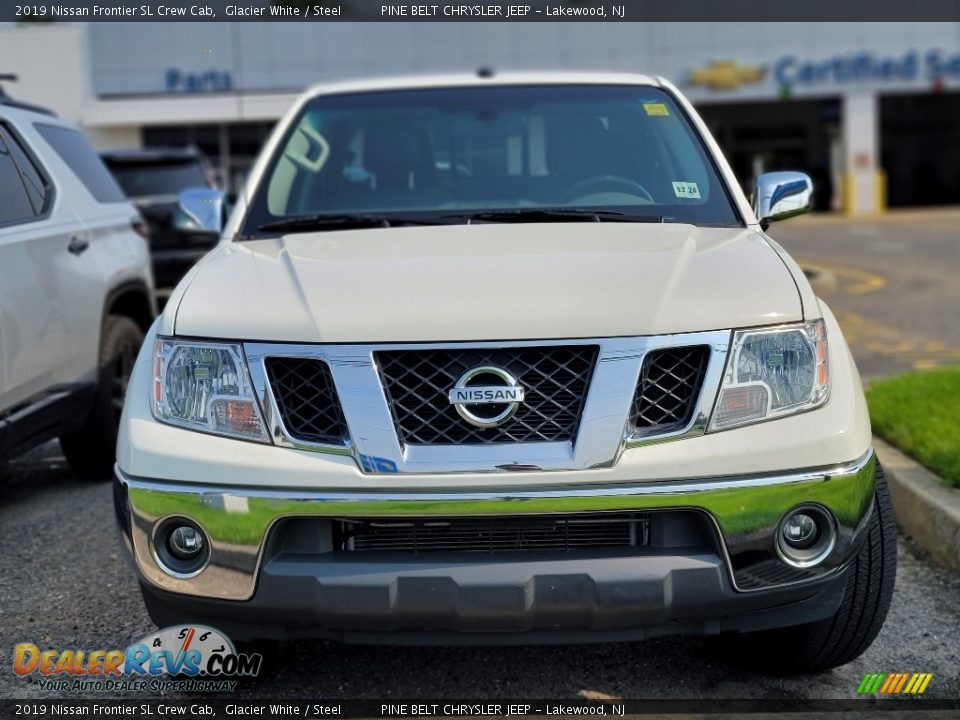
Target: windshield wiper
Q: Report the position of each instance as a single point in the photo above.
(348, 221)
(344, 221)
(522, 215)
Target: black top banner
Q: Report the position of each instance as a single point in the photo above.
(205, 707)
(442, 11)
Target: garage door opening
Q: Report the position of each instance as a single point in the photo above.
(799, 135)
(920, 149)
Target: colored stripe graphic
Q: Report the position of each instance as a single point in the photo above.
(891, 679)
(894, 683)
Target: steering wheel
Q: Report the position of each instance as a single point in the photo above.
(607, 183)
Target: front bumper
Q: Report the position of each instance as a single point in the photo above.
(255, 584)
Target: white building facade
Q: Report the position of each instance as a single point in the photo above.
(870, 110)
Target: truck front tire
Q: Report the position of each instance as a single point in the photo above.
(837, 640)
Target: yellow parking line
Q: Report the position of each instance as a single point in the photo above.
(852, 281)
(888, 342)
(872, 336)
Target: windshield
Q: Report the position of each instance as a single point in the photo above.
(454, 153)
(157, 178)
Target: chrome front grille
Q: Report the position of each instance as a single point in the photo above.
(306, 399)
(668, 390)
(493, 535)
(388, 405)
(555, 380)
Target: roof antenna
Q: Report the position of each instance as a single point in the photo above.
(6, 77)
(485, 72)
(5, 98)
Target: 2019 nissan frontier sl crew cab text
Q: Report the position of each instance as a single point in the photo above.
(506, 359)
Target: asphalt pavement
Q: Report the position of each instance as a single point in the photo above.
(894, 284)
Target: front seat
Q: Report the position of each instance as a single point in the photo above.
(400, 159)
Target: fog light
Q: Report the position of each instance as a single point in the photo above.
(800, 530)
(180, 547)
(186, 542)
(806, 536)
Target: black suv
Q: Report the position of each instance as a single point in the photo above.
(153, 178)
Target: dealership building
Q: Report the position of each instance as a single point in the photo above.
(870, 110)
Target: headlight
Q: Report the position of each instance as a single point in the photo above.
(772, 373)
(205, 386)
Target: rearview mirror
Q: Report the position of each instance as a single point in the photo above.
(782, 195)
(199, 210)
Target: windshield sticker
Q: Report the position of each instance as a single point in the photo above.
(686, 190)
(656, 109)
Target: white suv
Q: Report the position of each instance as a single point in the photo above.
(76, 293)
(506, 359)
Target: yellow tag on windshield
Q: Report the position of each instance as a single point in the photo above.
(656, 109)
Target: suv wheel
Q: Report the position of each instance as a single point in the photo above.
(838, 640)
(91, 449)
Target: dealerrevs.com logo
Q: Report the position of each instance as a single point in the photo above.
(202, 657)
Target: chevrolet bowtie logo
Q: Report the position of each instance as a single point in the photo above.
(726, 75)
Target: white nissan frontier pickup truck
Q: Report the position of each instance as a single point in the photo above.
(505, 359)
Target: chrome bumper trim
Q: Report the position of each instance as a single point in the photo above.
(238, 520)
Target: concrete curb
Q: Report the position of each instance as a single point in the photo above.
(926, 509)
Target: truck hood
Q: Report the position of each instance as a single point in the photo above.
(488, 282)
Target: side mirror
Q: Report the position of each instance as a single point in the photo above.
(199, 210)
(782, 195)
